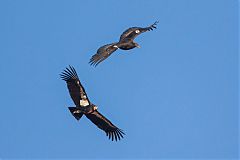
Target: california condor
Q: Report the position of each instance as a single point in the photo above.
(85, 107)
(126, 42)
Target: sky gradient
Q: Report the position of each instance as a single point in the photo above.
(175, 97)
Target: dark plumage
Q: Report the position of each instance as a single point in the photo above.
(102, 53)
(126, 42)
(85, 107)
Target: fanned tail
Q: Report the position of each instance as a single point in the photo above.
(75, 112)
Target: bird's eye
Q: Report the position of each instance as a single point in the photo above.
(137, 31)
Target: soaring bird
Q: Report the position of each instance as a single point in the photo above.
(85, 107)
(126, 42)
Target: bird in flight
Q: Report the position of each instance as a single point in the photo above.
(85, 107)
(126, 42)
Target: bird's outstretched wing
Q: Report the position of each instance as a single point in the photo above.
(103, 123)
(133, 32)
(76, 90)
(102, 53)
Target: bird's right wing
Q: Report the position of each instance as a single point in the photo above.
(133, 32)
(103, 123)
(76, 90)
(102, 53)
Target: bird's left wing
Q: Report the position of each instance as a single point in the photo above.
(76, 90)
(102, 53)
(103, 123)
(133, 32)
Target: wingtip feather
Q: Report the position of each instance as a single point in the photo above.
(69, 73)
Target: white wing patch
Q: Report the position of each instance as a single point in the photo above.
(115, 46)
(137, 31)
(84, 103)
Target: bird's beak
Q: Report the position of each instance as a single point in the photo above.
(138, 46)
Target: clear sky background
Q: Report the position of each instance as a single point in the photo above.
(175, 97)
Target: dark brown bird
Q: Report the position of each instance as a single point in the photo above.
(85, 107)
(126, 42)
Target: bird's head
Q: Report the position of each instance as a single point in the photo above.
(95, 107)
(91, 108)
(136, 45)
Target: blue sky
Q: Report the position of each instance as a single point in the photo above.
(175, 97)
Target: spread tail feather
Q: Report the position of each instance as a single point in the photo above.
(75, 112)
